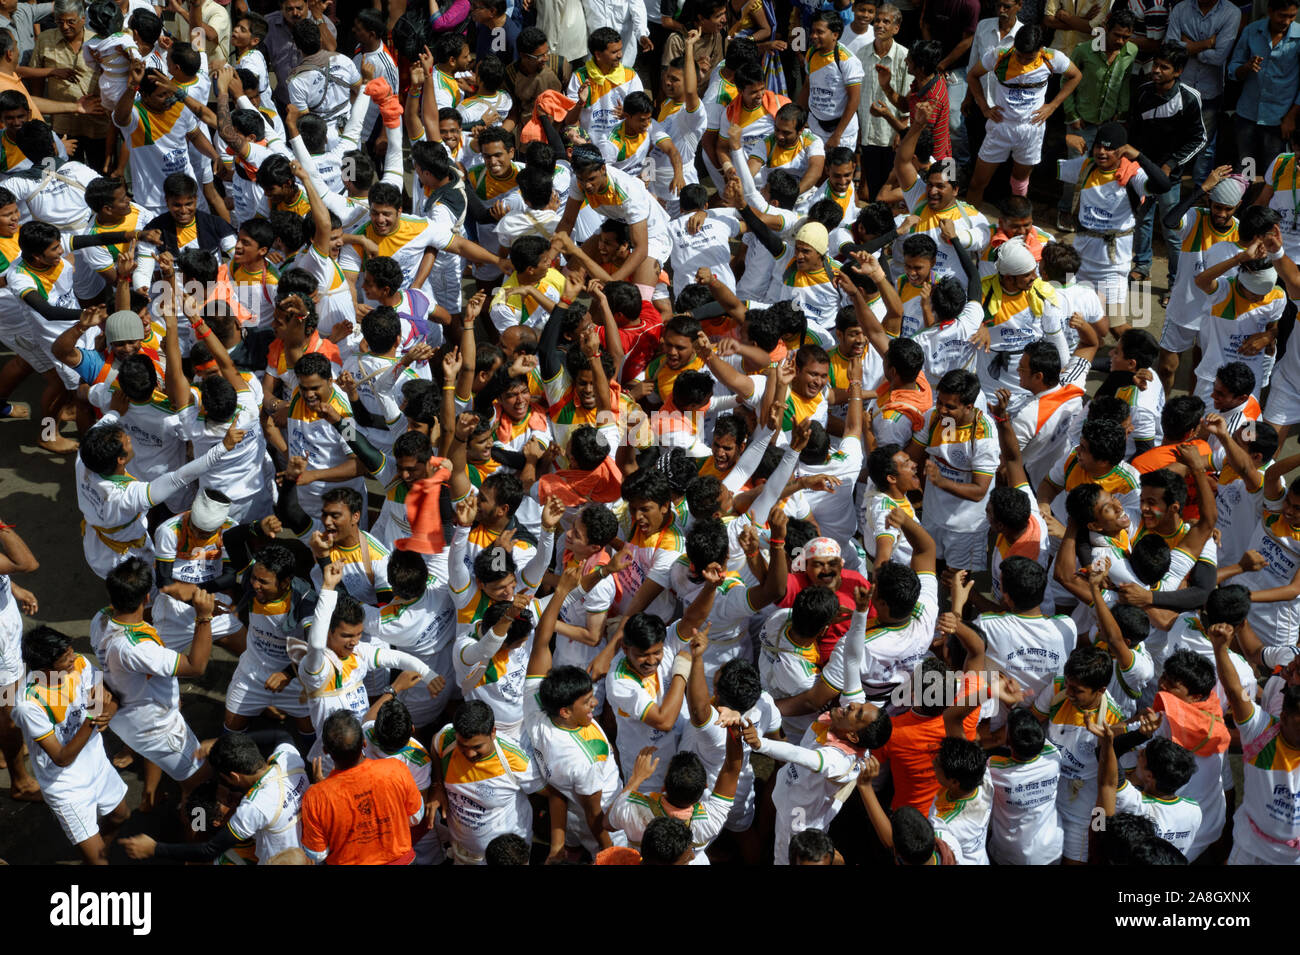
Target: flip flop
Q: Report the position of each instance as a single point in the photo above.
(15, 411)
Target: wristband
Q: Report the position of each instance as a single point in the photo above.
(776, 541)
(6, 527)
(448, 387)
(682, 666)
(199, 620)
(754, 552)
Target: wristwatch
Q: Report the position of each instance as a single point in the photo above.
(389, 691)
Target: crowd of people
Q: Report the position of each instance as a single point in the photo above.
(552, 405)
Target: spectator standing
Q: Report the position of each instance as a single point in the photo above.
(67, 78)
(953, 23)
(1073, 21)
(19, 18)
(537, 69)
(1208, 28)
(877, 132)
(1267, 61)
(1166, 126)
(190, 16)
(281, 53)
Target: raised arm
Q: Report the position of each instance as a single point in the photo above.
(870, 266)
(1201, 531)
(488, 643)
(906, 153)
(320, 215)
(1242, 707)
(1276, 473)
(125, 102)
(1013, 463)
(1106, 623)
(924, 549)
(730, 377)
(175, 382)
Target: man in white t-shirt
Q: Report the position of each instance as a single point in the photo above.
(560, 732)
(486, 780)
(1266, 831)
(62, 710)
(158, 133)
(821, 771)
(268, 812)
(1017, 116)
(646, 686)
(325, 83)
(957, 446)
(907, 607)
(146, 675)
(616, 195)
(701, 238)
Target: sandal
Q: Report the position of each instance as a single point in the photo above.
(1164, 300)
(1137, 275)
(15, 411)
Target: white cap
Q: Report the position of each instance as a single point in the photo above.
(209, 511)
(1014, 258)
(1257, 283)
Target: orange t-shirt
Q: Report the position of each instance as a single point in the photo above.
(10, 81)
(910, 752)
(361, 816)
(1167, 454)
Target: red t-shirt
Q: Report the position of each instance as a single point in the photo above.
(640, 344)
(935, 94)
(849, 579)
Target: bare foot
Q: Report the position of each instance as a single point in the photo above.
(31, 794)
(68, 413)
(59, 445)
(124, 758)
(17, 411)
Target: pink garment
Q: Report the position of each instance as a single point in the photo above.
(451, 18)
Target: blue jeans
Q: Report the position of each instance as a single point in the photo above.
(956, 121)
(1089, 133)
(1144, 231)
(1256, 142)
(1205, 159)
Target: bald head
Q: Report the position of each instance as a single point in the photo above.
(341, 737)
(518, 335)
